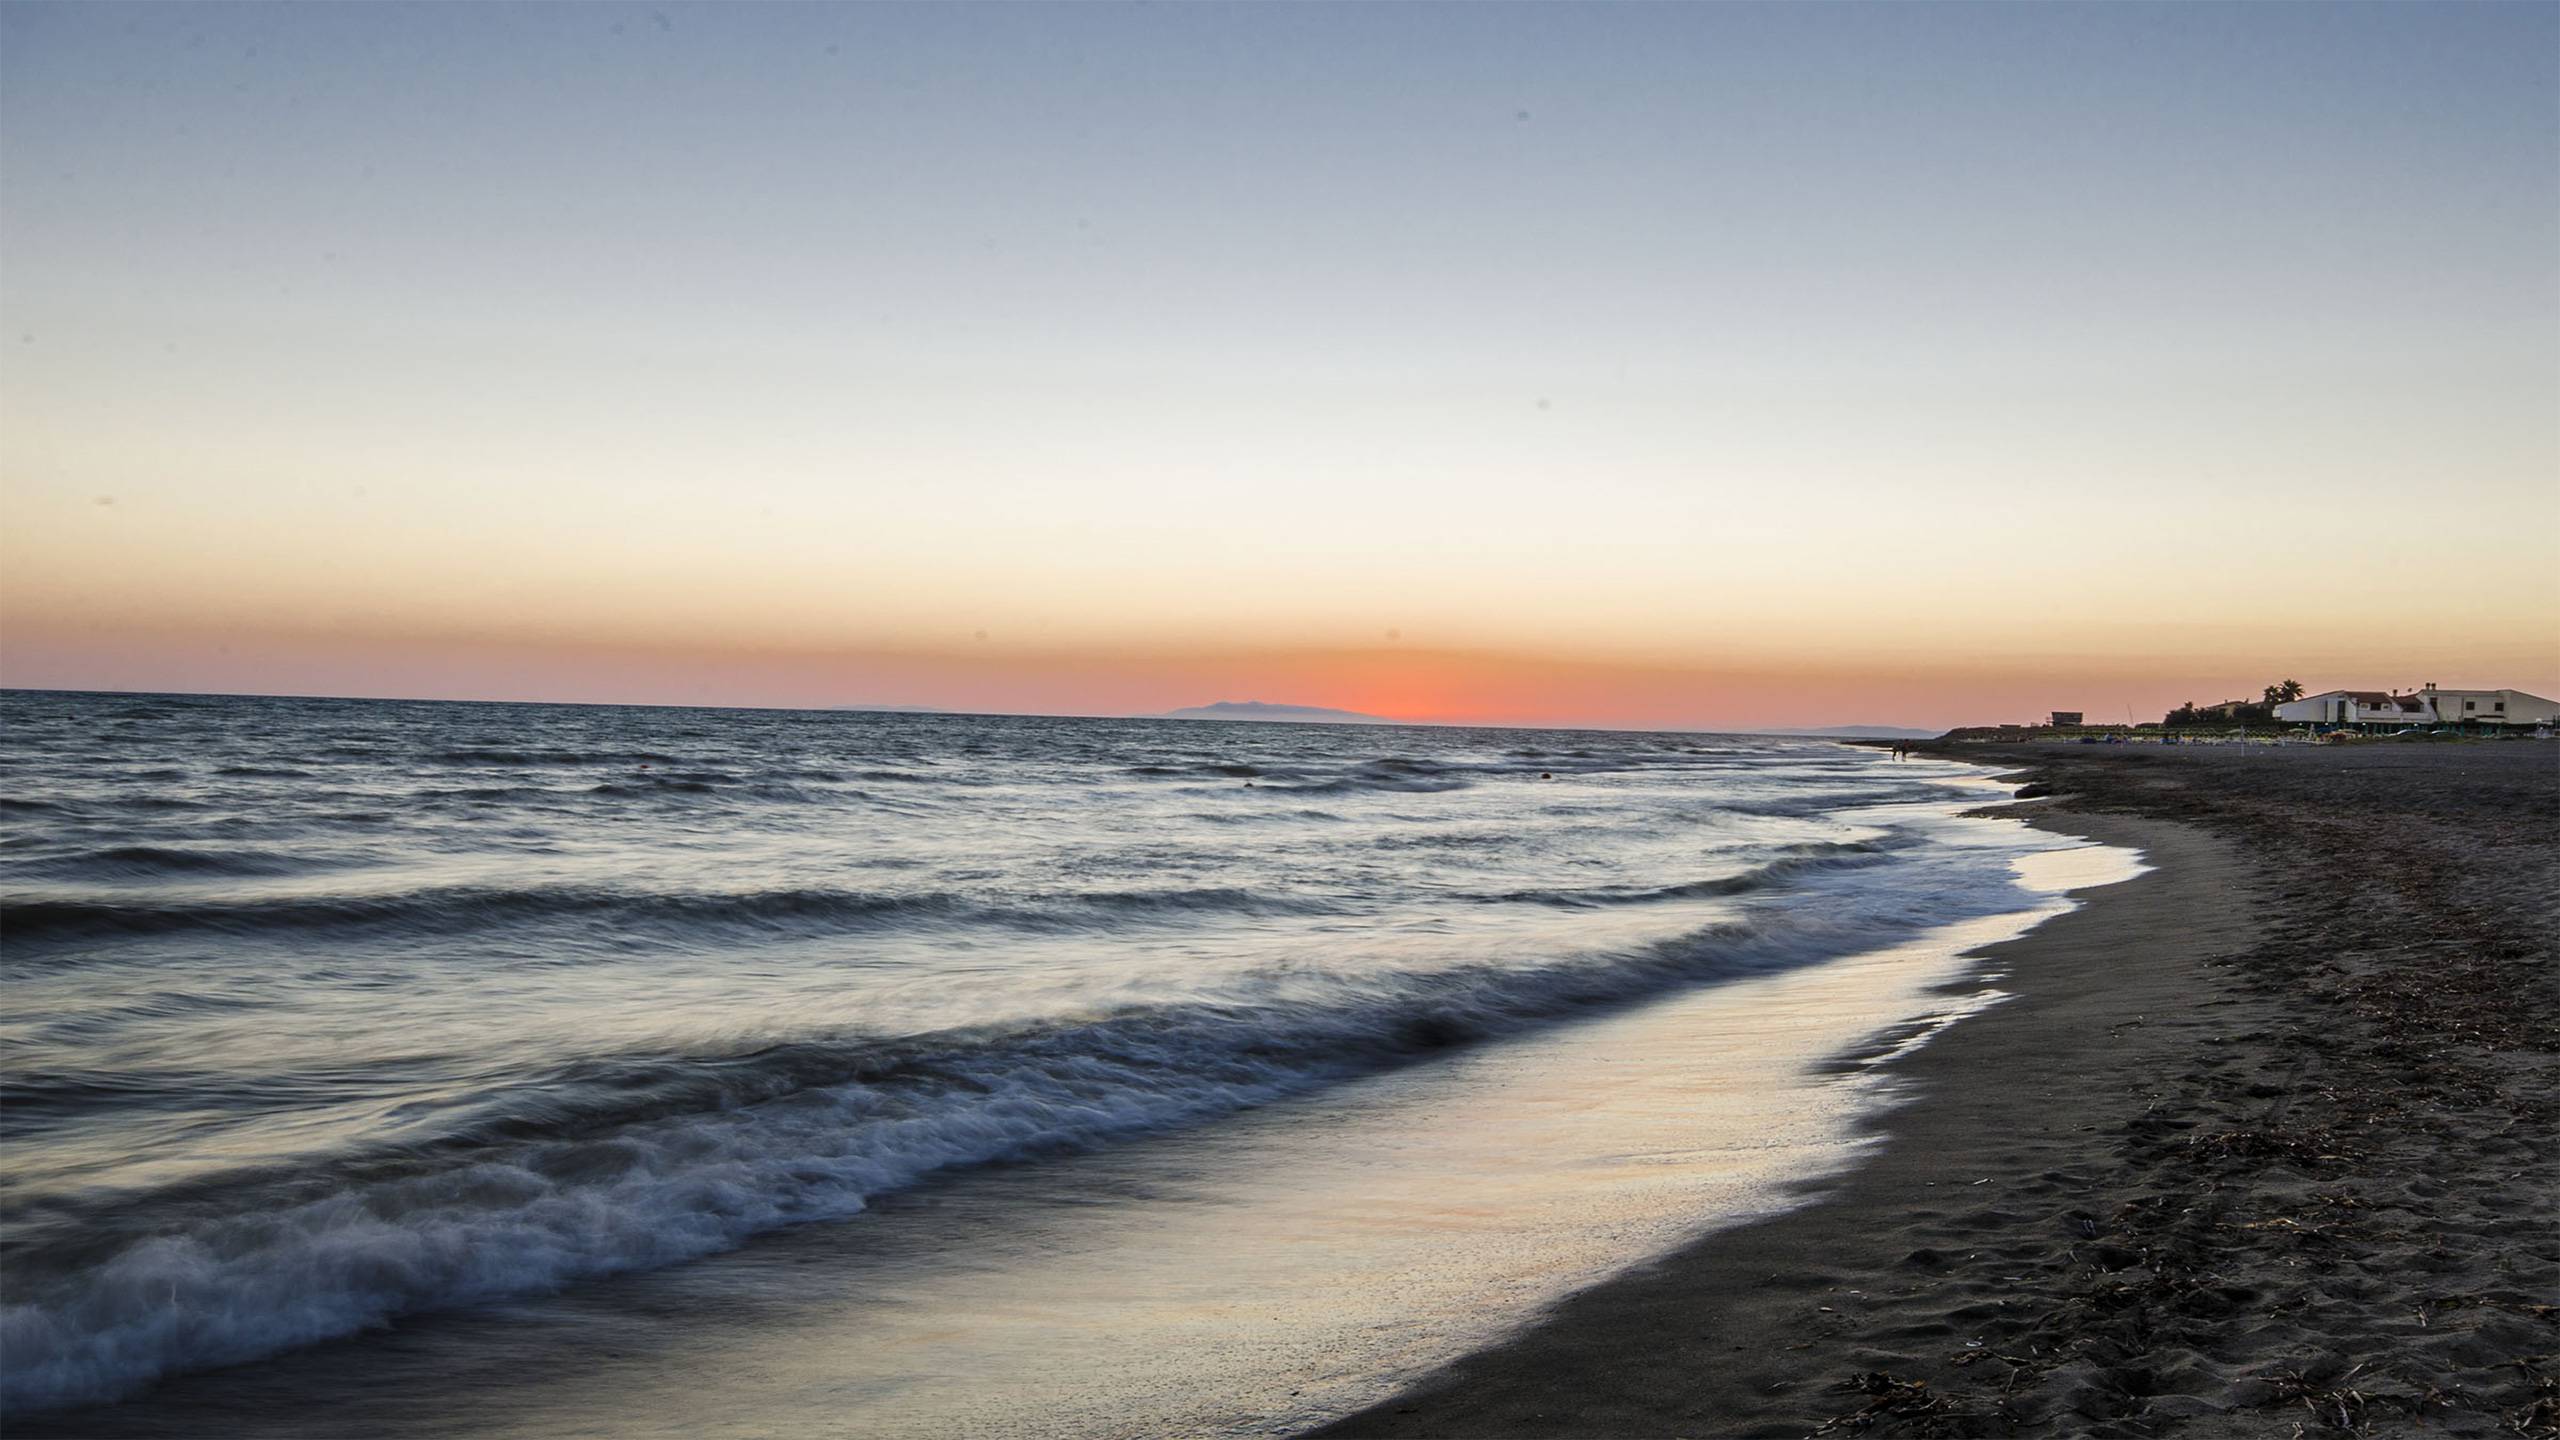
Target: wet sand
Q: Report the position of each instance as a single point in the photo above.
(2268, 1143)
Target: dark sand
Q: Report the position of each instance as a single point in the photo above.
(2268, 1144)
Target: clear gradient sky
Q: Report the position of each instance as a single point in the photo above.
(1713, 365)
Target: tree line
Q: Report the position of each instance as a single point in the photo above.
(2236, 712)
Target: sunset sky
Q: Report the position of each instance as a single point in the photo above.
(1713, 365)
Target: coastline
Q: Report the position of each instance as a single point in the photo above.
(1369, 1248)
(2264, 1140)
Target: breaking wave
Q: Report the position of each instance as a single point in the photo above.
(446, 911)
(641, 1162)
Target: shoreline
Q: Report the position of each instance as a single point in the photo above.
(1588, 1182)
(2234, 1159)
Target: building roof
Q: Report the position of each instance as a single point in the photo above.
(2378, 700)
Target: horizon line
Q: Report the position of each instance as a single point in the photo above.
(916, 710)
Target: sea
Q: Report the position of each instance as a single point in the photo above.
(409, 1068)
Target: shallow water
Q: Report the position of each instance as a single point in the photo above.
(328, 1014)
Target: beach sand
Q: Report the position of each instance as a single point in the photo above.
(2268, 1143)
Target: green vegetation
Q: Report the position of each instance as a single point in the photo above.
(2235, 712)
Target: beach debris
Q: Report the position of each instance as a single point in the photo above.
(2336, 1405)
(2308, 1148)
(2539, 1417)
(2531, 1310)
(1902, 1401)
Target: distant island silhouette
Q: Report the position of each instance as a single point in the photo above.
(1265, 710)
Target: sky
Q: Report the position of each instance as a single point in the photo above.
(1648, 365)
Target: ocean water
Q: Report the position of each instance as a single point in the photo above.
(322, 1017)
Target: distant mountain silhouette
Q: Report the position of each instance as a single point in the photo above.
(1857, 732)
(1264, 710)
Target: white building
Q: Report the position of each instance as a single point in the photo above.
(2430, 706)
(2355, 707)
(2489, 707)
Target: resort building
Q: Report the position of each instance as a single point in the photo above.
(2489, 707)
(2352, 707)
(2429, 707)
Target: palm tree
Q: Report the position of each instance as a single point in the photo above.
(2289, 690)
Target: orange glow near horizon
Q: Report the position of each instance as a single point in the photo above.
(1994, 618)
(1392, 681)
